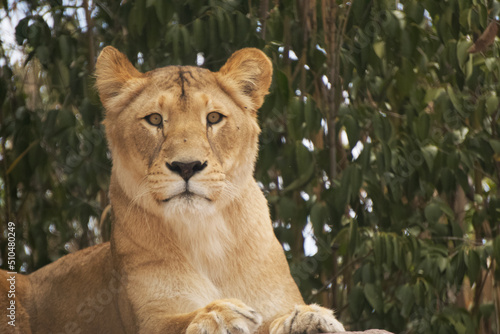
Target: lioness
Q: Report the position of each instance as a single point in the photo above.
(192, 247)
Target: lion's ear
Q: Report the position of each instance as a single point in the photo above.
(251, 70)
(113, 71)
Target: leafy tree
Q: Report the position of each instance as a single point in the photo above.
(380, 146)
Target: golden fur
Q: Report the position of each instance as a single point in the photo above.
(192, 247)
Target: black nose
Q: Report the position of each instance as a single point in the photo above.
(186, 169)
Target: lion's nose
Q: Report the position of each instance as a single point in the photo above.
(186, 169)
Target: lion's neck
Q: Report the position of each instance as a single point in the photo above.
(207, 240)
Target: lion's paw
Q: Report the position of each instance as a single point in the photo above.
(225, 316)
(310, 319)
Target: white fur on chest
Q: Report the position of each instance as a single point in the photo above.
(206, 241)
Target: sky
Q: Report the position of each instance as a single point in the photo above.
(8, 30)
(17, 11)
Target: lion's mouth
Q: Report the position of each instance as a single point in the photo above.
(186, 195)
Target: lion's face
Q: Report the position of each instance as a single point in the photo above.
(183, 139)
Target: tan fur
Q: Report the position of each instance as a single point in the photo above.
(200, 262)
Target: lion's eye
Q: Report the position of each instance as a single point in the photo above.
(154, 119)
(214, 118)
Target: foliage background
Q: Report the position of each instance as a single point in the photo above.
(380, 146)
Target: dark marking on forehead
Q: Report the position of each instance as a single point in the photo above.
(182, 80)
(185, 78)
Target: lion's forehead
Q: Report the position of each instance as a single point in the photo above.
(180, 89)
(183, 78)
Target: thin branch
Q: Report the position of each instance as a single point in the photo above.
(263, 15)
(19, 158)
(90, 38)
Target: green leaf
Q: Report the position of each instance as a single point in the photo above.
(419, 292)
(186, 43)
(460, 267)
(387, 157)
(378, 250)
(374, 296)
(295, 118)
(382, 127)
(454, 99)
(319, 214)
(389, 251)
(405, 78)
(415, 11)
(379, 48)
(312, 117)
(282, 85)
(483, 15)
(355, 183)
(164, 10)
(137, 17)
(286, 208)
(222, 25)
(353, 236)
(199, 35)
(487, 310)
(302, 180)
(432, 212)
(303, 157)
(230, 27)
(429, 153)
(492, 104)
(152, 32)
(352, 130)
(242, 27)
(65, 119)
(65, 48)
(64, 74)
(405, 295)
(175, 34)
(357, 302)
(43, 54)
(365, 157)
(367, 273)
(3, 89)
(442, 263)
(463, 180)
(212, 34)
(445, 208)
(496, 250)
(473, 265)
(423, 125)
(22, 30)
(462, 54)
(495, 145)
(433, 93)
(491, 64)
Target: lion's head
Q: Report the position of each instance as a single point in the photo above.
(183, 139)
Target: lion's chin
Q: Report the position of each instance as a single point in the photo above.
(187, 196)
(187, 203)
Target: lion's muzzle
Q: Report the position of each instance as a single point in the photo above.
(186, 169)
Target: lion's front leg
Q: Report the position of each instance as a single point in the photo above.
(218, 317)
(310, 319)
(225, 316)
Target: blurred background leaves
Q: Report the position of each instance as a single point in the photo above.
(380, 145)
